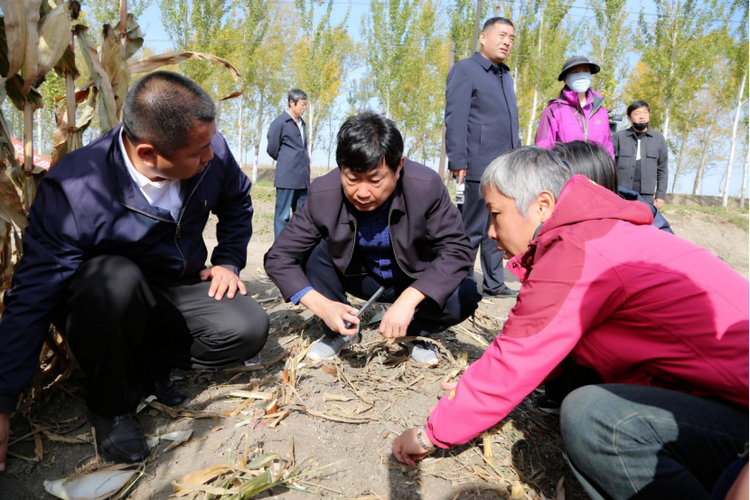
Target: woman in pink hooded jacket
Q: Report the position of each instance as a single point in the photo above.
(662, 322)
(578, 114)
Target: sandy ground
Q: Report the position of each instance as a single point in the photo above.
(342, 416)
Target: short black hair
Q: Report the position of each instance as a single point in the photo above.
(496, 20)
(638, 104)
(365, 139)
(162, 107)
(295, 95)
(590, 160)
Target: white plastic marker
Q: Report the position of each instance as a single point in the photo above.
(362, 309)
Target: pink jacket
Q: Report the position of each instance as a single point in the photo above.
(563, 121)
(635, 304)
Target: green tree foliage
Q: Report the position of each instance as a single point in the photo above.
(462, 21)
(610, 38)
(321, 59)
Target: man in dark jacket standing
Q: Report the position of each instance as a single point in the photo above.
(642, 156)
(380, 220)
(114, 256)
(287, 144)
(481, 119)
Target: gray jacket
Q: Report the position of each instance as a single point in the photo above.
(654, 157)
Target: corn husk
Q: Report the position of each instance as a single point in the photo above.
(95, 486)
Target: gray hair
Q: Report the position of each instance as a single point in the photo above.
(525, 172)
(295, 95)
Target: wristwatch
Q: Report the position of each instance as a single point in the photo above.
(421, 441)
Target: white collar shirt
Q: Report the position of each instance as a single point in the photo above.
(161, 194)
(299, 125)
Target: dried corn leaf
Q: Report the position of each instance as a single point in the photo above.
(251, 395)
(31, 61)
(80, 439)
(200, 477)
(336, 397)
(133, 37)
(107, 107)
(115, 66)
(517, 492)
(170, 58)
(213, 490)
(14, 17)
(54, 40)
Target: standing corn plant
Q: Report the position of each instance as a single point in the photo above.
(36, 37)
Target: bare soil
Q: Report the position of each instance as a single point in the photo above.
(343, 416)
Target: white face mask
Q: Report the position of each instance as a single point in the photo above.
(578, 82)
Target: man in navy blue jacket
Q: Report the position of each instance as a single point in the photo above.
(481, 119)
(287, 144)
(114, 256)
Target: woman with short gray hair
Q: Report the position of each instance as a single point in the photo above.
(626, 300)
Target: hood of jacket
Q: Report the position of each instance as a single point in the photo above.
(582, 200)
(570, 98)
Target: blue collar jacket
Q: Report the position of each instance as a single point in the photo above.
(88, 205)
(285, 145)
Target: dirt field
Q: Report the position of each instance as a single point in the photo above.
(342, 417)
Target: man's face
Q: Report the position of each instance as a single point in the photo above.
(497, 41)
(640, 115)
(190, 160)
(508, 227)
(299, 108)
(368, 190)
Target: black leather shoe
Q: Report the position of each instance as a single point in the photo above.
(167, 393)
(504, 292)
(119, 439)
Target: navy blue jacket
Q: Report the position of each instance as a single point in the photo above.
(285, 145)
(481, 115)
(659, 221)
(88, 205)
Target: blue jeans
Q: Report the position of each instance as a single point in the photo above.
(630, 441)
(286, 200)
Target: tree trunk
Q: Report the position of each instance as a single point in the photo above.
(239, 136)
(532, 118)
(744, 179)
(680, 157)
(310, 125)
(702, 163)
(259, 131)
(725, 198)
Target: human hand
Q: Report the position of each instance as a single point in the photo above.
(396, 319)
(406, 448)
(658, 203)
(460, 174)
(223, 281)
(4, 437)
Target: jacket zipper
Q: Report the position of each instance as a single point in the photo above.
(393, 247)
(178, 229)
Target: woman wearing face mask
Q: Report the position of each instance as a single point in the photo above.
(578, 114)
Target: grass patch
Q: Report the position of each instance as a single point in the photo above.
(736, 216)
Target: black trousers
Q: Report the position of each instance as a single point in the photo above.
(126, 331)
(429, 317)
(477, 223)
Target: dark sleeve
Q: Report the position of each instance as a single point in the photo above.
(457, 107)
(284, 260)
(274, 138)
(235, 213)
(616, 145)
(51, 255)
(662, 170)
(454, 255)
